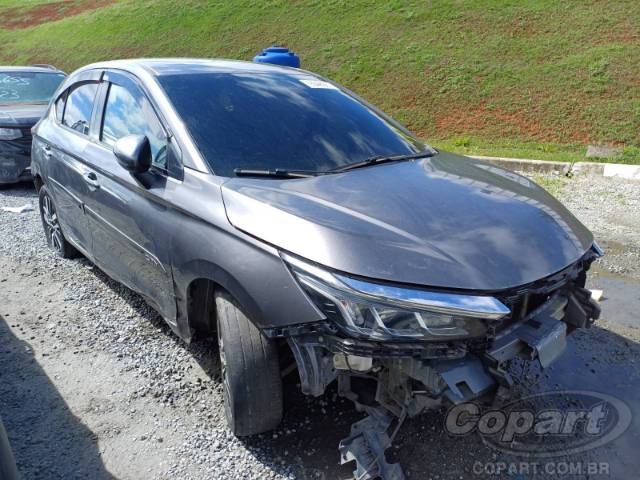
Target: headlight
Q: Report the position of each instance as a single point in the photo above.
(10, 133)
(383, 312)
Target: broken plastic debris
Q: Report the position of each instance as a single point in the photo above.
(24, 208)
(367, 443)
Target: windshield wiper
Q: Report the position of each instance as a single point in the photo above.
(284, 173)
(383, 159)
(275, 173)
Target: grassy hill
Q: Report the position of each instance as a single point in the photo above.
(529, 78)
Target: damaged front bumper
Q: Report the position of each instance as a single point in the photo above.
(403, 379)
(457, 371)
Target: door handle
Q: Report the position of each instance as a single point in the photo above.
(92, 179)
(47, 151)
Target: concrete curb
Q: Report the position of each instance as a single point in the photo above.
(542, 166)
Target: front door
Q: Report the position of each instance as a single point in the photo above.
(126, 212)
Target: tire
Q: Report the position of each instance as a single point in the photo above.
(52, 228)
(250, 371)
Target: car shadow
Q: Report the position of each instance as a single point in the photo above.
(305, 445)
(306, 442)
(47, 440)
(8, 188)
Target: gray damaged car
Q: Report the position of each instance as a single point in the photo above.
(24, 95)
(277, 210)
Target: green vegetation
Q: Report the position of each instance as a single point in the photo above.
(532, 150)
(554, 185)
(522, 78)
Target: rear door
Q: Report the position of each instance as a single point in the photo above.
(62, 143)
(127, 212)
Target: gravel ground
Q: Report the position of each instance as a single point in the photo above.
(611, 209)
(93, 384)
(63, 307)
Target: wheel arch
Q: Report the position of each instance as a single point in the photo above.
(202, 317)
(196, 303)
(38, 182)
(201, 307)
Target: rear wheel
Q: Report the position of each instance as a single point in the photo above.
(52, 229)
(250, 371)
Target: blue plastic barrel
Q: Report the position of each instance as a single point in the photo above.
(278, 56)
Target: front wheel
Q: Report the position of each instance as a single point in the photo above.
(250, 371)
(52, 229)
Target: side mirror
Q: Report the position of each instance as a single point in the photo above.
(133, 153)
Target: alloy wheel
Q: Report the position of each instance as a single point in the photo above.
(51, 224)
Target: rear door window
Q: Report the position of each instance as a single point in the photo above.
(128, 112)
(79, 106)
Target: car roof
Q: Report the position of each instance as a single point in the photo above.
(29, 68)
(178, 66)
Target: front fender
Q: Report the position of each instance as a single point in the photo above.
(204, 245)
(253, 274)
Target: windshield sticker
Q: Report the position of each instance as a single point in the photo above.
(16, 81)
(314, 83)
(6, 94)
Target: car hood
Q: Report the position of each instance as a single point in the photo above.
(446, 221)
(22, 115)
